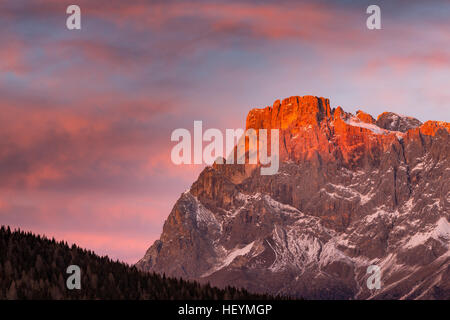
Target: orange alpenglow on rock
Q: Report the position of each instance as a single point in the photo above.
(365, 117)
(310, 129)
(431, 127)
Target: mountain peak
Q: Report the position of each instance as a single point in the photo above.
(292, 111)
(311, 130)
(365, 117)
(395, 122)
(350, 192)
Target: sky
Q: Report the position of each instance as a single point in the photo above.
(86, 115)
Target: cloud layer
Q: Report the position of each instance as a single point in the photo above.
(86, 116)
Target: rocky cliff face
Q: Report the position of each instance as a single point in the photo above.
(351, 192)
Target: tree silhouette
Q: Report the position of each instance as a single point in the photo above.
(34, 267)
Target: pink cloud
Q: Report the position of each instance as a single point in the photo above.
(12, 57)
(435, 59)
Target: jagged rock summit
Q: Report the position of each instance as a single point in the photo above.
(351, 191)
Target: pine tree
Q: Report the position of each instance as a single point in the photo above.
(12, 292)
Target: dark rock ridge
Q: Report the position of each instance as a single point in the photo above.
(394, 122)
(351, 192)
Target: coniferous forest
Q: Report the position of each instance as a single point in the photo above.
(34, 267)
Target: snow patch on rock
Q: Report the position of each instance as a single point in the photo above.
(439, 231)
(229, 258)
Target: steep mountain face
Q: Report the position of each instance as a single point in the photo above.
(351, 192)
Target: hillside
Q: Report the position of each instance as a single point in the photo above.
(34, 267)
